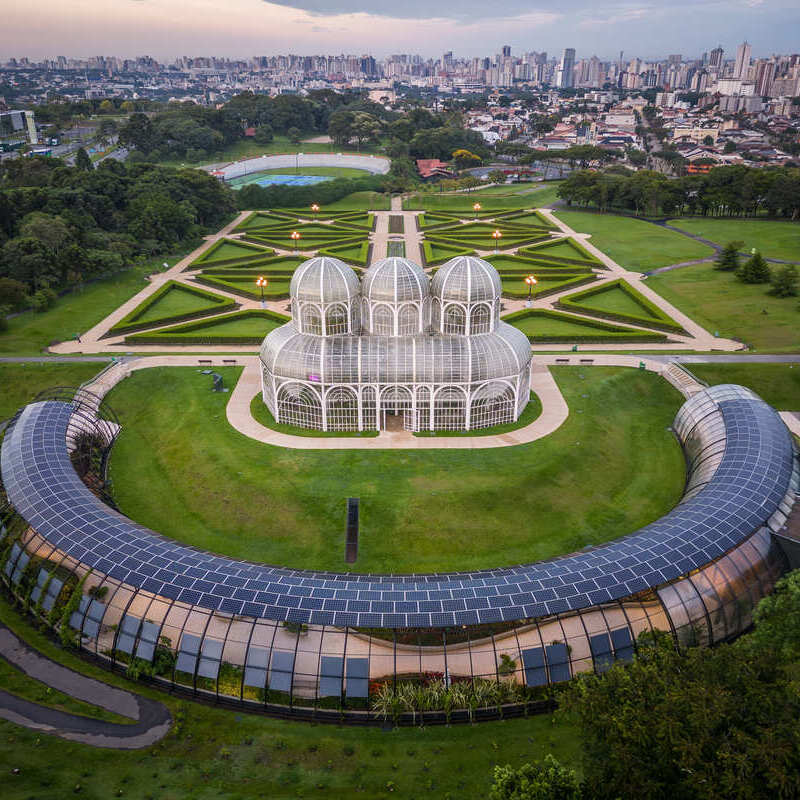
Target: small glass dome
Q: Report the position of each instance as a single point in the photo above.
(466, 279)
(395, 280)
(324, 280)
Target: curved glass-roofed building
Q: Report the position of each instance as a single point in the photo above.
(330, 646)
(434, 353)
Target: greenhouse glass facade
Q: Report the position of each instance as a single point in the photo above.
(433, 353)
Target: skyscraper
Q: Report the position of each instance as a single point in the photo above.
(715, 59)
(506, 50)
(566, 70)
(742, 61)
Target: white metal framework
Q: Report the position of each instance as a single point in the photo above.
(434, 353)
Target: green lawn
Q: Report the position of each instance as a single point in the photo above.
(20, 383)
(218, 753)
(522, 195)
(175, 302)
(277, 288)
(545, 324)
(515, 286)
(609, 469)
(774, 239)
(721, 303)
(75, 313)
(778, 384)
(230, 249)
(633, 243)
(240, 327)
(616, 301)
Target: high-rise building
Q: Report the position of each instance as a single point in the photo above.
(506, 51)
(765, 74)
(742, 61)
(674, 59)
(566, 70)
(715, 59)
(447, 60)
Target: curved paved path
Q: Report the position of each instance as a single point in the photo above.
(152, 719)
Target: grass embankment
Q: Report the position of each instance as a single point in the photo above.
(721, 303)
(214, 753)
(772, 238)
(520, 195)
(611, 468)
(633, 243)
(778, 384)
(20, 383)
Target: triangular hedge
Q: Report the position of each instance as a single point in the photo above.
(543, 326)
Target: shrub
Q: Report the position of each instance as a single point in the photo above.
(546, 780)
(754, 270)
(728, 257)
(784, 282)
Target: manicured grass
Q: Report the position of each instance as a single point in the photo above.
(245, 285)
(18, 683)
(546, 326)
(358, 201)
(230, 250)
(179, 468)
(559, 249)
(772, 238)
(174, 303)
(515, 286)
(778, 384)
(515, 196)
(633, 243)
(617, 302)
(218, 753)
(239, 328)
(20, 383)
(530, 413)
(721, 303)
(435, 253)
(75, 313)
(263, 415)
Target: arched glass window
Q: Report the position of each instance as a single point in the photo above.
(480, 319)
(455, 320)
(492, 404)
(341, 405)
(382, 321)
(310, 319)
(408, 320)
(336, 320)
(299, 405)
(368, 412)
(450, 409)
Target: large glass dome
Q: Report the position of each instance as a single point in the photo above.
(324, 280)
(467, 279)
(395, 280)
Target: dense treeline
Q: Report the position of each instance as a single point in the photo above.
(701, 724)
(723, 191)
(60, 225)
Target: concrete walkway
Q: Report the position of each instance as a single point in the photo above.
(152, 719)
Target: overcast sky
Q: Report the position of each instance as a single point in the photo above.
(168, 28)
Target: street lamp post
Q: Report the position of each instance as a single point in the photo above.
(476, 208)
(262, 283)
(531, 281)
(497, 235)
(295, 236)
(315, 209)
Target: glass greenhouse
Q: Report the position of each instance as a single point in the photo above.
(396, 343)
(367, 647)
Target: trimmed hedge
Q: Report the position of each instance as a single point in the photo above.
(612, 333)
(570, 281)
(128, 323)
(190, 334)
(526, 264)
(264, 219)
(355, 254)
(656, 317)
(205, 258)
(443, 252)
(540, 250)
(248, 290)
(265, 265)
(307, 244)
(541, 220)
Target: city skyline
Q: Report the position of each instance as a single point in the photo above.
(166, 29)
